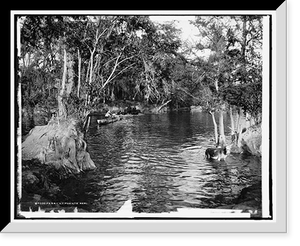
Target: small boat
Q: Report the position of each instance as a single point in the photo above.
(108, 120)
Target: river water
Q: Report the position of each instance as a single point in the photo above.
(158, 162)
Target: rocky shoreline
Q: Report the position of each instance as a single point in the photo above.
(249, 201)
(45, 188)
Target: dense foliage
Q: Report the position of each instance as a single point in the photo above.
(233, 71)
(105, 59)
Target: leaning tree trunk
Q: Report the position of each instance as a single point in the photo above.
(163, 105)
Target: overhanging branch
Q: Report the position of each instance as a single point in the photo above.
(114, 69)
(122, 71)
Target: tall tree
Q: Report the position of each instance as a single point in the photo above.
(49, 38)
(212, 30)
(234, 66)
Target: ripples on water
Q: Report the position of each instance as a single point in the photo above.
(158, 162)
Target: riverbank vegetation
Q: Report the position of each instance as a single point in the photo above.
(73, 66)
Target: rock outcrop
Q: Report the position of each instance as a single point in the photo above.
(249, 141)
(59, 143)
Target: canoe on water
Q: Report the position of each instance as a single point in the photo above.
(108, 120)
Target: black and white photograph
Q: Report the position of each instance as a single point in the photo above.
(143, 116)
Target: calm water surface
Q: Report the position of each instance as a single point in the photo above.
(158, 162)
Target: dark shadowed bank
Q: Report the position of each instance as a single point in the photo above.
(250, 198)
(51, 154)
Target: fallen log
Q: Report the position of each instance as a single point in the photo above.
(163, 105)
(60, 143)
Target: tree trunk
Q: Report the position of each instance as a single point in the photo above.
(221, 129)
(238, 120)
(91, 68)
(87, 72)
(70, 75)
(234, 127)
(79, 74)
(233, 130)
(244, 44)
(88, 96)
(86, 80)
(215, 126)
(239, 126)
(248, 120)
(244, 37)
(61, 106)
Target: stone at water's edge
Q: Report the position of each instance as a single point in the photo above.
(60, 143)
(251, 140)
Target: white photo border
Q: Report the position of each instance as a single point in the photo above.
(278, 123)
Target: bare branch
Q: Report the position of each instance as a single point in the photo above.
(163, 105)
(122, 71)
(109, 61)
(111, 74)
(98, 37)
(114, 69)
(126, 59)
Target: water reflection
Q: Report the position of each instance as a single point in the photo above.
(158, 162)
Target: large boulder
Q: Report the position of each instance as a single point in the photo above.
(59, 143)
(250, 140)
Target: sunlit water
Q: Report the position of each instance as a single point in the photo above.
(158, 162)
